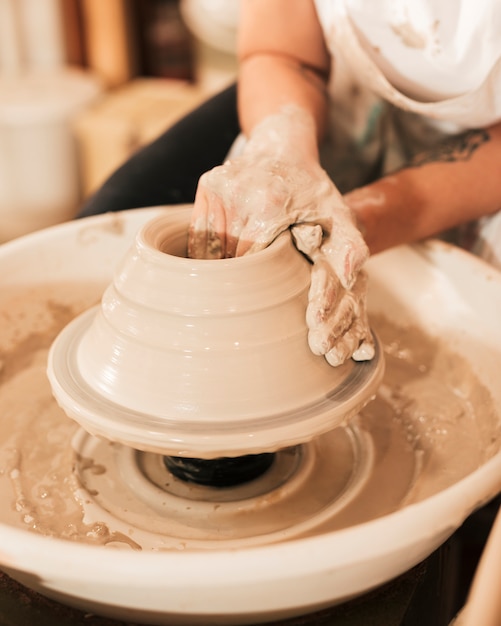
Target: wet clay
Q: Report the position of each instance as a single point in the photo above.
(35, 456)
(431, 423)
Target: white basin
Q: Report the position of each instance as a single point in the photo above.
(432, 290)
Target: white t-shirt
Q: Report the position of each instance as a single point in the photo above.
(438, 58)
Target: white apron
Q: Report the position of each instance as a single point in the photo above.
(407, 72)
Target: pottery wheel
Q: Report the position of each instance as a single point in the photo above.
(305, 486)
(393, 482)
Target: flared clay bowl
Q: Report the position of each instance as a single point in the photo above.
(204, 358)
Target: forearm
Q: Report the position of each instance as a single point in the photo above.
(282, 62)
(267, 83)
(452, 185)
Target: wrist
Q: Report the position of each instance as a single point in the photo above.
(289, 134)
(387, 212)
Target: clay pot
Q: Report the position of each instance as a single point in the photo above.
(203, 358)
(433, 287)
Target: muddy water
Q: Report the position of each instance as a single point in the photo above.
(431, 423)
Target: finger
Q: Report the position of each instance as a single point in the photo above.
(308, 239)
(331, 310)
(197, 231)
(258, 233)
(325, 335)
(323, 293)
(337, 319)
(206, 234)
(352, 342)
(235, 244)
(366, 348)
(365, 351)
(346, 253)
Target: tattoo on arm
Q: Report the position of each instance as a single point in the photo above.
(315, 75)
(457, 148)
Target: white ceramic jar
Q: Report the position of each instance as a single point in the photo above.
(39, 167)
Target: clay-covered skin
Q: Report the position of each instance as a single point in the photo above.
(277, 183)
(431, 423)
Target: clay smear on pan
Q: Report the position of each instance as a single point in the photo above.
(432, 422)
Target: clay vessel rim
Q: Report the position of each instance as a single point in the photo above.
(154, 236)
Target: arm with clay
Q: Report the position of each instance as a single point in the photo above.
(455, 183)
(277, 181)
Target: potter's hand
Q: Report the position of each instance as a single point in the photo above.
(277, 183)
(336, 315)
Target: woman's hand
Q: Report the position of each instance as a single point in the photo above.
(276, 184)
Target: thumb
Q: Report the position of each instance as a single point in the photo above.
(308, 239)
(346, 253)
(207, 230)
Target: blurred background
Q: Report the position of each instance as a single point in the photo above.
(84, 83)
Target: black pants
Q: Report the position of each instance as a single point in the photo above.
(167, 170)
